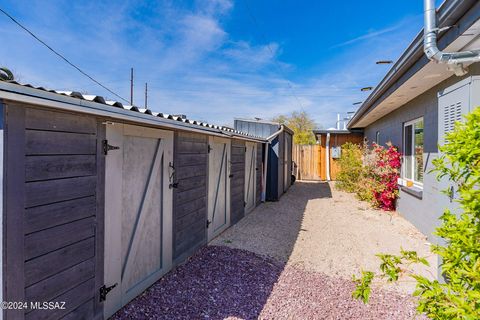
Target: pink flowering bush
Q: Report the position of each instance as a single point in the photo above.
(371, 173)
(385, 172)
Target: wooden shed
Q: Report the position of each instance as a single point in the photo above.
(277, 154)
(100, 199)
(330, 142)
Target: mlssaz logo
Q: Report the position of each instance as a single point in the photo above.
(47, 305)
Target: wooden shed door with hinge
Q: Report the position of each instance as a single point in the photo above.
(250, 175)
(218, 186)
(138, 211)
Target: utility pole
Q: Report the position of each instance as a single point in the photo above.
(146, 95)
(131, 86)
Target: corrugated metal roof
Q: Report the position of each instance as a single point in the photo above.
(116, 104)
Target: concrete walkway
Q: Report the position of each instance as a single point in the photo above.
(318, 228)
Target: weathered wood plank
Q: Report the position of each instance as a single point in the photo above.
(183, 234)
(192, 137)
(73, 299)
(193, 217)
(191, 242)
(238, 143)
(185, 208)
(85, 311)
(14, 190)
(191, 147)
(56, 167)
(238, 167)
(100, 219)
(56, 261)
(191, 194)
(41, 119)
(48, 216)
(238, 158)
(237, 190)
(185, 160)
(51, 143)
(46, 192)
(191, 183)
(44, 241)
(61, 282)
(190, 172)
(238, 151)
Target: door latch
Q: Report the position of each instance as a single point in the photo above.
(208, 223)
(104, 290)
(107, 147)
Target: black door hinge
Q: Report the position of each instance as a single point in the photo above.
(244, 203)
(208, 223)
(104, 290)
(209, 148)
(107, 147)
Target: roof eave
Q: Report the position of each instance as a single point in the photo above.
(413, 58)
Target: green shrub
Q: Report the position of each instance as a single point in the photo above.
(459, 297)
(370, 173)
(351, 167)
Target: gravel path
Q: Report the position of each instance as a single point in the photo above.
(291, 259)
(318, 228)
(226, 283)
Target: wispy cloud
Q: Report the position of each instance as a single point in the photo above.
(191, 62)
(371, 34)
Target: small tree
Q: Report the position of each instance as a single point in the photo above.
(459, 297)
(6, 74)
(301, 124)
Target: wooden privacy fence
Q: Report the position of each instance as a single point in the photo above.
(311, 160)
(308, 160)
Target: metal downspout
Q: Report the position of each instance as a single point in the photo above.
(454, 60)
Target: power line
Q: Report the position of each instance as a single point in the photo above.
(264, 38)
(60, 55)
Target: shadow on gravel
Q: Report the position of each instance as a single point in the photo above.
(220, 282)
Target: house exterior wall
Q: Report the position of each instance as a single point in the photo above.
(422, 212)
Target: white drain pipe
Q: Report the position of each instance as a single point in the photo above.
(454, 60)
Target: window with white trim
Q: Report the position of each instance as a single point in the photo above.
(412, 168)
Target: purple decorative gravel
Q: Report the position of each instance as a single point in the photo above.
(220, 283)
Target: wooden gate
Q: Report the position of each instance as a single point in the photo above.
(138, 211)
(308, 159)
(250, 176)
(218, 186)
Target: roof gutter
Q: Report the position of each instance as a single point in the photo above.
(274, 135)
(455, 61)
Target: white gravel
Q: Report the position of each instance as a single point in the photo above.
(318, 228)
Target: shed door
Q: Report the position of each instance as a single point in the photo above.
(218, 186)
(250, 175)
(287, 162)
(138, 211)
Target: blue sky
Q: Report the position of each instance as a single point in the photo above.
(214, 60)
